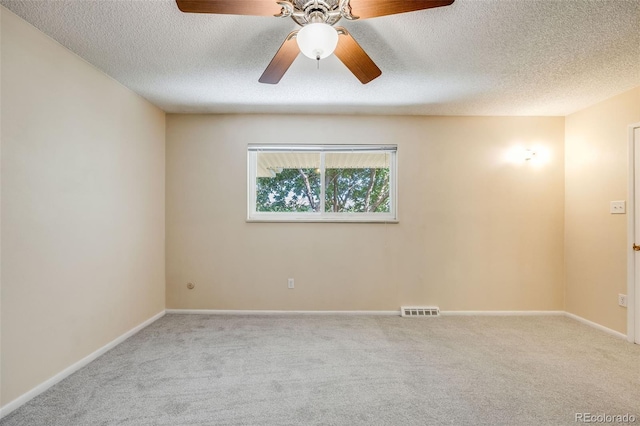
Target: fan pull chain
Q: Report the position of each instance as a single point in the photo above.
(318, 59)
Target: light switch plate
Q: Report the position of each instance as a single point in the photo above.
(618, 207)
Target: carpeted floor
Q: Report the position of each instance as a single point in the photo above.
(346, 370)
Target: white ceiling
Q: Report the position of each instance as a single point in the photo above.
(475, 57)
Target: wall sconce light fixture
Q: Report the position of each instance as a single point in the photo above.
(534, 155)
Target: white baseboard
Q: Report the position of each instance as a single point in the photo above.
(502, 313)
(26, 397)
(267, 312)
(375, 313)
(596, 325)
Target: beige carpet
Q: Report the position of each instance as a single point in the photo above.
(344, 370)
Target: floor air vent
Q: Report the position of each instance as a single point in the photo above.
(420, 311)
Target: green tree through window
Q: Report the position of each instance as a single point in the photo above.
(357, 190)
(291, 190)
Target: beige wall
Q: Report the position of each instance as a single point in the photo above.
(475, 232)
(595, 240)
(82, 208)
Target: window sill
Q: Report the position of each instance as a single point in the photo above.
(319, 220)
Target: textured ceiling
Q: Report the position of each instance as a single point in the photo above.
(475, 57)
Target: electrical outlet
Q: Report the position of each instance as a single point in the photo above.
(622, 300)
(290, 283)
(617, 207)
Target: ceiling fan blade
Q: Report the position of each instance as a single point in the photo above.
(372, 8)
(231, 7)
(355, 58)
(280, 63)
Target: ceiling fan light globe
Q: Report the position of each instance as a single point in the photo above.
(317, 40)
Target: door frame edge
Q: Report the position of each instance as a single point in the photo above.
(633, 294)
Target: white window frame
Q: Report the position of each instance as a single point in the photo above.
(321, 216)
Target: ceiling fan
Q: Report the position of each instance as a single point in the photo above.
(318, 38)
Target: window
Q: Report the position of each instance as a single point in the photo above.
(322, 183)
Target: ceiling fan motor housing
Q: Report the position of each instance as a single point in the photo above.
(305, 12)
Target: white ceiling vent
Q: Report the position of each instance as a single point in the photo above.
(419, 311)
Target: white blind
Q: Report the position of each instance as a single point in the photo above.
(270, 163)
(321, 148)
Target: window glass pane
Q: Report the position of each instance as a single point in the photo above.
(288, 182)
(357, 182)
